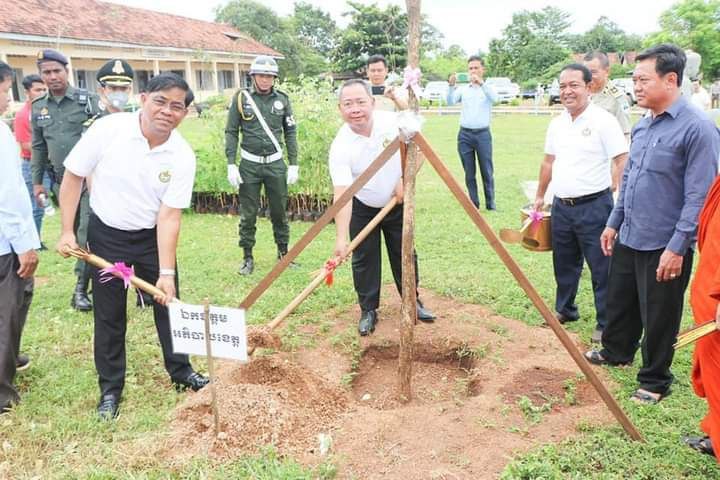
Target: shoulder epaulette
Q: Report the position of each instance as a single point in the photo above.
(41, 97)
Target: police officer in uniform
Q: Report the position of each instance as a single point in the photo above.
(606, 95)
(58, 120)
(264, 116)
(115, 79)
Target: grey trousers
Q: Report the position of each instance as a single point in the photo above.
(15, 298)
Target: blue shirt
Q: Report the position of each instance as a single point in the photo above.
(476, 104)
(17, 227)
(673, 162)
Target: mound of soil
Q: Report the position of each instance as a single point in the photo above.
(464, 421)
(267, 401)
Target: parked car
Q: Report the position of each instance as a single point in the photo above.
(436, 91)
(627, 86)
(504, 87)
(554, 93)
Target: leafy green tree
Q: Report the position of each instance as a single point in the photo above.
(693, 24)
(374, 30)
(265, 26)
(532, 42)
(440, 65)
(606, 36)
(315, 28)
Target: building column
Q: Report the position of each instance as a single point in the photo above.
(189, 77)
(216, 80)
(156, 67)
(236, 68)
(71, 76)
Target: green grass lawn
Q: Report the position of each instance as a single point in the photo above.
(53, 433)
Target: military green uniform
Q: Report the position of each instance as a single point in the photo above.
(256, 169)
(57, 125)
(614, 100)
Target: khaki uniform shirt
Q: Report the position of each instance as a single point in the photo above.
(614, 101)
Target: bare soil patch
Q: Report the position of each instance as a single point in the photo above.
(476, 377)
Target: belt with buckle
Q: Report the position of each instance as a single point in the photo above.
(260, 158)
(583, 199)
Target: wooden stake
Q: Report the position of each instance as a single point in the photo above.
(529, 289)
(211, 369)
(409, 297)
(317, 227)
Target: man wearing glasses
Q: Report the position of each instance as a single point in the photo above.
(582, 145)
(142, 177)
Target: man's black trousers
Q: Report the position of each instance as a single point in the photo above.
(366, 260)
(638, 303)
(138, 249)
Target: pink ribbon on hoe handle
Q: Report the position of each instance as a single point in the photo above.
(120, 270)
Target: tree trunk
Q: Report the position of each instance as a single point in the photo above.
(409, 306)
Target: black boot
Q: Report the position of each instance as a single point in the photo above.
(248, 264)
(80, 300)
(282, 251)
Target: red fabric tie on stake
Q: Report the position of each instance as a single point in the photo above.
(330, 267)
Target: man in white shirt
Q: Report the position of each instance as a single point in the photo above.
(18, 242)
(700, 97)
(142, 174)
(582, 145)
(359, 141)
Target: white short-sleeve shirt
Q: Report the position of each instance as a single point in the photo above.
(351, 154)
(129, 179)
(583, 150)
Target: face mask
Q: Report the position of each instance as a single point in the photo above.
(118, 99)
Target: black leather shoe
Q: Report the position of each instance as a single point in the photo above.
(565, 319)
(281, 254)
(247, 267)
(423, 314)
(109, 407)
(22, 362)
(194, 381)
(368, 320)
(80, 300)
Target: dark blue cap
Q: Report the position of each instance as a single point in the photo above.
(51, 55)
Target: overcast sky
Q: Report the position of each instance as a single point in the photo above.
(469, 23)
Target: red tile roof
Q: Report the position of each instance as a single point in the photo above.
(109, 22)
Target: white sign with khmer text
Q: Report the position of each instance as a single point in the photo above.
(227, 331)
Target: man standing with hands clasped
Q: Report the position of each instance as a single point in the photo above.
(651, 232)
(474, 137)
(142, 177)
(263, 115)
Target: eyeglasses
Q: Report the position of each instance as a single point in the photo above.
(162, 103)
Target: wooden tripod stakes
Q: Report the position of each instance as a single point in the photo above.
(410, 164)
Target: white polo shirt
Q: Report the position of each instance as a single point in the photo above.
(351, 154)
(583, 150)
(129, 179)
